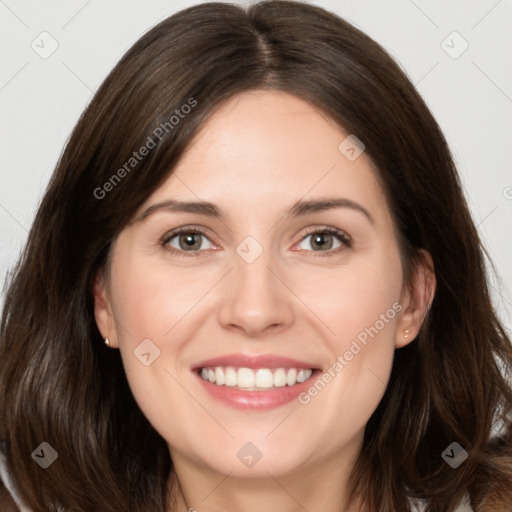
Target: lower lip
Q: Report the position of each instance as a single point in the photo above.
(259, 400)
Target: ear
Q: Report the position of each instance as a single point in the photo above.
(416, 298)
(102, 309)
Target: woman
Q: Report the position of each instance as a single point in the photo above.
(261, 220)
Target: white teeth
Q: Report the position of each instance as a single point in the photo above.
(219, 376)
(280, 378)
(230, 377)
(262, 378)
(291, 378)
(245, 378)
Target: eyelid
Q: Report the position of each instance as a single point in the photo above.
(183, 229)
(327, 229)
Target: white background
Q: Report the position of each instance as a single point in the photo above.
(471, 96)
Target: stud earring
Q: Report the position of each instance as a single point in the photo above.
(107, 342)
(406, 333)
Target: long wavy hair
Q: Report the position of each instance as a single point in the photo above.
(58, 382)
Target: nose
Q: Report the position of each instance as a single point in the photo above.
(256, 299)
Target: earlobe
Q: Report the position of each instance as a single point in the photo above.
(419, 297)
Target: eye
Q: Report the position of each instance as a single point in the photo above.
(193, 240)
(328, 240)
(186, 240)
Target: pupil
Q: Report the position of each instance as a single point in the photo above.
(189, 240)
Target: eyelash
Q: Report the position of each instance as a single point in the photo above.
(345, 239)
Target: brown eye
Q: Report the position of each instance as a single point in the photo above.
(187, 241)
(325, 240)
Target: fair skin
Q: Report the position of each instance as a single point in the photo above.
(261, 153)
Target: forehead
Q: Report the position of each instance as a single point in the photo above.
(265, 148)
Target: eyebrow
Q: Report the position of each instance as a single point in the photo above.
(300, 208)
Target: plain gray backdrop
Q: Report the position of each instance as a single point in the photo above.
(458, 53)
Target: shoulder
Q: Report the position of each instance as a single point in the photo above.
(8, 491)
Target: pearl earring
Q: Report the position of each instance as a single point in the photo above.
(107, 342)
(406, 333)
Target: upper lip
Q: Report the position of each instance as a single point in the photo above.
(253, 361)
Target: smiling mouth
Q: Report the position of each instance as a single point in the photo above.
(260, 379)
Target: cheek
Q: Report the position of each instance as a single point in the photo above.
(152, 303)
(151, 307)
(358, 301)
(151, 300)
(353, 383)
(359, 308)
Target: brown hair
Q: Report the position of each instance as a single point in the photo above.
(61, 385)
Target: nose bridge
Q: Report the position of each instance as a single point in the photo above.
(258, 299)
(253, 275)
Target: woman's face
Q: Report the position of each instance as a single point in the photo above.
(277, 287)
